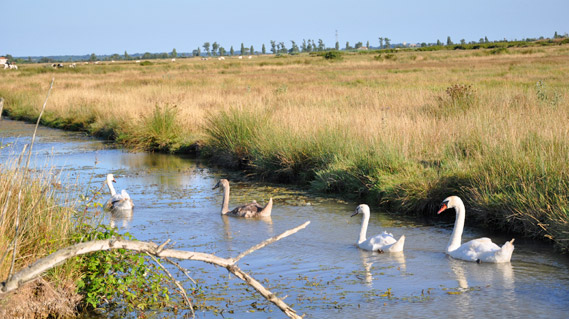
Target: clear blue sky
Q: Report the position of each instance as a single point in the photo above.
(63, 27)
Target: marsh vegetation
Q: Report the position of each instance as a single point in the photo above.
(319, 269)
(400, 129)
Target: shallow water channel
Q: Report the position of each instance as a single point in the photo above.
(319, 269)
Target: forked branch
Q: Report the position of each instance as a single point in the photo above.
(40, 266)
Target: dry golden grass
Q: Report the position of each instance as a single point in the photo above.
(303, 93)
(324, 115)
(372, 99)
(33, 225)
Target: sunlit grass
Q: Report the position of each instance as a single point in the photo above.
(33, 223)
(404, 131)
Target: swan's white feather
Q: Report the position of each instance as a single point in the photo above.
(117, 201)
(477, 250)
(378, 242)
(384, 242)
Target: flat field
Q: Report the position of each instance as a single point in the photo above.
(401, 129)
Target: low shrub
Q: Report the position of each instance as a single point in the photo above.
(333, 55)
(386, 56)
(458, 98)
(544, 95)
(119, 279)
(501, 50)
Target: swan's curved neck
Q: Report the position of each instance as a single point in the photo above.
(363, 231)
(225, 204)
(456, 237)
(111, 187)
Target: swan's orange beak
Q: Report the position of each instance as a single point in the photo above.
(114, 181)
(443, 208)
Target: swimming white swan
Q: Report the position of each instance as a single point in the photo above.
(248, 210)
(478, 250)
(120, 201)
(384, 242)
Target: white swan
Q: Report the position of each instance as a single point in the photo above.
(478, 250)
(248, 210)
(120, 201)
(384, 242)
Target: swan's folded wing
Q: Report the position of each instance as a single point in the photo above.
(113, 201)
(124, 194)
(117, 198)
(382, 240)
(484, 244)
(247, 210)
(476, 249)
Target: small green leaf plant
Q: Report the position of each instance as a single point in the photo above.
(119, 279)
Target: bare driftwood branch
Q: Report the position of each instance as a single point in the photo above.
(270, 241)
(36, 269)
(180, 268)
(177, 283)
(161, 247)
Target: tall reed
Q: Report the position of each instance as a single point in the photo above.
(32, 222)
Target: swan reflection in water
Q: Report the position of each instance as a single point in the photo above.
(118, 215)
(501, 274)
(396, 259)
(228, 233)
(478, 277)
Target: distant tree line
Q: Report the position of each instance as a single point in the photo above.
(278, 48)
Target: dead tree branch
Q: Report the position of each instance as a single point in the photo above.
(270, 241)
(40, 266)
(177, 283)
(180, 268)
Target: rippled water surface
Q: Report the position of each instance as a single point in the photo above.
(319, 269)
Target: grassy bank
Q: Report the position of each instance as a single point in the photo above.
(32, 225)
(39, 217)
(400, 129)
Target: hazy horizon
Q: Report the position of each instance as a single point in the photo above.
(62, 27)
